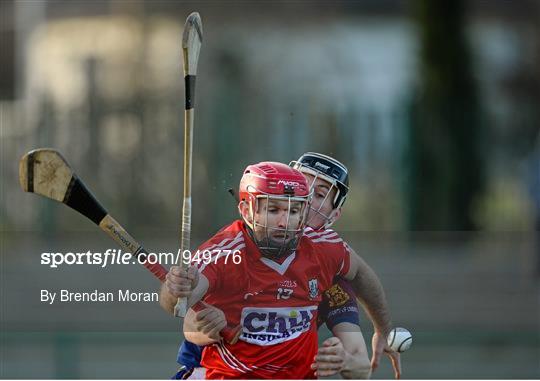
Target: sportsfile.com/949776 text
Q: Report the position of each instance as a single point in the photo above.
(119, 257)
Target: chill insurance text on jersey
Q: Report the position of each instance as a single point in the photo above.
(276, 303)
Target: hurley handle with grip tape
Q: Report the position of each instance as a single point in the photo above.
(180, 308)
(110, 226)
(191, 46)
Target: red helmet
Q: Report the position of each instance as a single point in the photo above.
(271, 178)
(277, 182)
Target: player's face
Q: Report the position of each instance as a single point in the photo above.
(321, 209)
(277, 220)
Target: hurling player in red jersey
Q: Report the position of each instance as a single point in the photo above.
(346, 352)
(328, 179)
(273, 284)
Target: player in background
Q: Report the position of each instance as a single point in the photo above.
(329, 181)
(273, 210)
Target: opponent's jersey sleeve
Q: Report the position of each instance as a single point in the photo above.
(189, 354)
(338, 305)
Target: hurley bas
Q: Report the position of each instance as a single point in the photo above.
(68, 296)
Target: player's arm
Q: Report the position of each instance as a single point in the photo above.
(369, 291)
(356, 360)
(345, 352)
(340, 313)
(191, 333)
(182, 283)
(203, 327)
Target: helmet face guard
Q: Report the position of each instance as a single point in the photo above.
(266, 185)
(331, 171)
(264, 234)
(314, 212)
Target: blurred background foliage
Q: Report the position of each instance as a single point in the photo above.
(431, 105)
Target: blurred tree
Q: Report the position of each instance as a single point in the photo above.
(226, 136)
(46, 137)
(445, 172)
(93, 155)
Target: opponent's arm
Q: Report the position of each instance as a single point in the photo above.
(356, 361)
(369, 291)
(343, 353)
(339, 311)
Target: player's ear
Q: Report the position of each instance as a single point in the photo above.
(243, 209)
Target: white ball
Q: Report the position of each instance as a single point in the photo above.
(399, 339)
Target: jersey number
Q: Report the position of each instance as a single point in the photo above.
(284, 293)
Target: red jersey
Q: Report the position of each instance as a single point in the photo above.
(276, 303)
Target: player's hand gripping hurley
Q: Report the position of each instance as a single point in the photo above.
(191, 45)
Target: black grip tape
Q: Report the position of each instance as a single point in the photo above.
(30, 173)
(79, 198)
(140, 254)
(190, 91)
